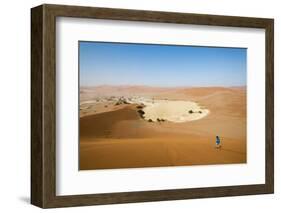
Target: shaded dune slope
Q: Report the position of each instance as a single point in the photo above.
(121, 139)
(100, 125)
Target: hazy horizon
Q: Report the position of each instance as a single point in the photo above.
(154, 65)
(144, 85)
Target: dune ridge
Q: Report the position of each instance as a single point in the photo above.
(114, 135)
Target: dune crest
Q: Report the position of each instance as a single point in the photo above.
(115, 130)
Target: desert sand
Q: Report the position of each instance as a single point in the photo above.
(139, 126)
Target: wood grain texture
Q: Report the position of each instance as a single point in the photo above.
(269, 118)
(43, 105)
(36, 106)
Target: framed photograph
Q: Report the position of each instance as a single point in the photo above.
(136, 106)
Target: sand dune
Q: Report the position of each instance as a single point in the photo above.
(148, 152)
(117, 137)
(100, 125)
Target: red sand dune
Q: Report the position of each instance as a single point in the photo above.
(121, 139)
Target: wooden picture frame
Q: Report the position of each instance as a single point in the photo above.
(43, 105)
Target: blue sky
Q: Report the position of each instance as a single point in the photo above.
(106, 63)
